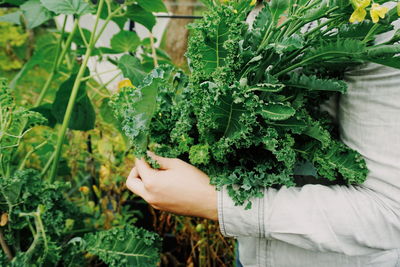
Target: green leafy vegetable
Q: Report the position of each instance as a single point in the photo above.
(250, 113)
(128, 246)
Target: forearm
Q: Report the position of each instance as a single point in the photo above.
(349, 220)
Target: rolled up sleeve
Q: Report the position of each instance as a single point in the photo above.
(352, 220)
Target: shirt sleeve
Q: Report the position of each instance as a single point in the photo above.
(343, 219)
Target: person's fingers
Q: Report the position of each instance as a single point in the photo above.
(144, 169)
(134, 173)
(165, 163)
(136, 186)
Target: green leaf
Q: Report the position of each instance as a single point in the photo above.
(44, 56)
(295, 125)
(312, 83)
(213, 52)
(383, 50)
(77, 38)
(277, 112)
(124, 247)
(339, 48)
(14, 18)
(132, 69)
(35, 13)
(139, 15)
(153, 5)
(125, 41)
(135, 107)
(68, 7)
(227, 114)
(267, 87)
(393, 62)
(294, 42)
(278, 7)
(46, 111)
(83, 116)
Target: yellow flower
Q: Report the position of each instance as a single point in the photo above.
(125, 83)
(361, 3)
(359, 10)
(84, 189)
(377, 11)
(253, 2)
(358, 15)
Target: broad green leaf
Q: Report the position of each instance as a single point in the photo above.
(44, 56)
(68, 7)
(295, 125)
(335, 50)
(278, 7)
(340, 160)
(132, 69)
(317, 11)
(135, 107)
(46, 111)
(124, 247)
(77, 38)
(153, 5)
(139, 15)
(35, 13)
(227, 114)
(125, 41)
(277, 112)
(393, 62)
(383, 51)
(14, 18)
(83, 115)
(312, 83)
(212, 51)
(294, 42)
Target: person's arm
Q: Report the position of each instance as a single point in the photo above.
(348, 220)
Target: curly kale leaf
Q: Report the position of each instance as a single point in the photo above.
(128, 246)
(135, 108)
(14, 123)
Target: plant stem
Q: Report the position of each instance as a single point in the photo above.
(75, 90)
(50, 78)
(22, 165)
(4, 246)
(153, 50)
(57, 60)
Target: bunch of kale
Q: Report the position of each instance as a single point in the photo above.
(249, 112)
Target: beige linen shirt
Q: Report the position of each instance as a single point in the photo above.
(334, 226)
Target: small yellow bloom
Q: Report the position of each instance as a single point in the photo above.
(377, 11)
(125, 83)
(359, 10)
(84, 189)
(361, 3)
(358, 15)
(253, 2)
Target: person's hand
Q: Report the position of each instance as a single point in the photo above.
(176, 187)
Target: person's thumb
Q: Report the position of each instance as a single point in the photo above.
(144, 169)
(165, 163)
